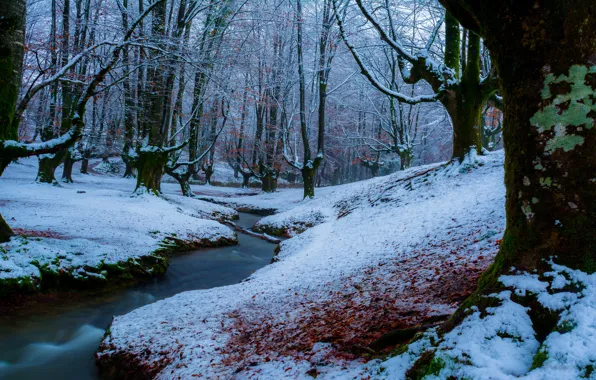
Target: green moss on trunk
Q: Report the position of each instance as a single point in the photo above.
(150, 167)
(12, 28)
(269, 179)
(48, 163)
(67, 171)
(308, 176)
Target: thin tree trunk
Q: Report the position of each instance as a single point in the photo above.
(464, 104)
(246, 176)
(129, 126)
(67, 92)
(49, 163)
(67, 170)
(85, 165)
(208, 169)
(183, 180)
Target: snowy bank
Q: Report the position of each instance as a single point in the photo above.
(385, 255)
(93, 232)
(260, 203)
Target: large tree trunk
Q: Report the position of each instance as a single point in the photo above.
(12, 28)
(548, 83)
(12, 36)
(269, 180)
(208, 169)
(48, 163)
(150, 169)
(549, 90)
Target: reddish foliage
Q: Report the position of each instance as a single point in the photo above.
(398, 294)
(36, 233)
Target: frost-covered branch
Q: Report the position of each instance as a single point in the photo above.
(13, 149)
(366, 72)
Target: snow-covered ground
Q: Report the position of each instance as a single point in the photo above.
(503, 343)
(254, 201)
(384, 254)
(93, 230)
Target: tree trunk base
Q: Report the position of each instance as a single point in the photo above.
(269, 181)
(67, 171)
(308, 176)
(47, 168)
(184, 182)
(246, 176)
(5, 231)
(208, 169)
(150, 169)
(85, 166)
(129, 171)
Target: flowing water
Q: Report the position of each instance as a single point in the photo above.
(59, 341)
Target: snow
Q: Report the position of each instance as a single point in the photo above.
(503, 342)
(498, 343)
(379, 255)
(95, 221)
(282, 200)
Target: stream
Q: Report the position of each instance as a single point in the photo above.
(59, 341)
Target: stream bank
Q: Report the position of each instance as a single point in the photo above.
(59, 340)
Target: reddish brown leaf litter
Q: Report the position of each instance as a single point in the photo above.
(402, 293)
(38, 233)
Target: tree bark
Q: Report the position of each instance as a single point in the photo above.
(5, 231)
(85, 166)
(12, 38)
(150, 170)
(67, 97)
(548, 81)
(464, 103)
(269, 179)
(549, 132)
(48, 163)
(308, 176)
(208, 169)
(129, 163)
(183, 180)
(67, 171)
(246, 176)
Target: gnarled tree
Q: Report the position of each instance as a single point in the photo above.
(12, 27)
(457, 85)
(545, 55)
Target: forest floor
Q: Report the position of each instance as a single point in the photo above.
(387, 254)
(94, 233)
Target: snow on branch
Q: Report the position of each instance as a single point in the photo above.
(379, 86)
(14, 149)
